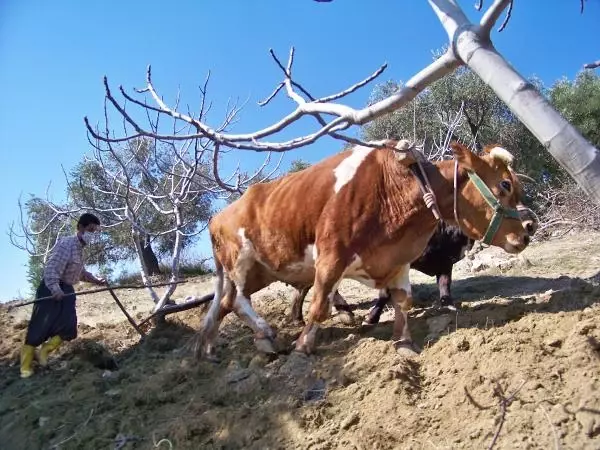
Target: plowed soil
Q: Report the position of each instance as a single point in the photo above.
(518, 366)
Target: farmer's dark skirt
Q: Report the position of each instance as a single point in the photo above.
(52, 317)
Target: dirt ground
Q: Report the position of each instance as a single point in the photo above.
(517, 366)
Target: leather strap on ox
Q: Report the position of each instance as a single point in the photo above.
(500, 211)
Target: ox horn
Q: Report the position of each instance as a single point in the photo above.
(522, 176)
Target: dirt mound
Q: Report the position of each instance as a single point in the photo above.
(518, 365)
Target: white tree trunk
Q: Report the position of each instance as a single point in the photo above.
(574, 153)
(177, 247)
(472, 45)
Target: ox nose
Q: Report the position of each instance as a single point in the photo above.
(530, 227)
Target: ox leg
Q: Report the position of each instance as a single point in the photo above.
(327, 280)
(295, 316)
(345, 315)
(444, 281)
(401, 295)
(220, 306)
(263, 334)
(375, 312)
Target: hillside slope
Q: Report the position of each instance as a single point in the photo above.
(524, 346)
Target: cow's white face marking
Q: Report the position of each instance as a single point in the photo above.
(402, 280)
(345, 171)
(356, 271)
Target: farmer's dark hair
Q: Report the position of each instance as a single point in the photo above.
(88, 219)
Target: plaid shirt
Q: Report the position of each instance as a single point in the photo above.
(65, 264)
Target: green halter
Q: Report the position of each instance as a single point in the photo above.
(500, 211)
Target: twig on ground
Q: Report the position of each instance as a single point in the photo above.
(474, 402)
(556, 440)
(79, 428)
(162, 441)
(121, 440)
(504, 403)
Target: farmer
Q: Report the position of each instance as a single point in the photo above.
(55, 320)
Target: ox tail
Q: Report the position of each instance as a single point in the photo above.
(204, 345)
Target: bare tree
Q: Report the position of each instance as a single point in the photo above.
(469, 44)
(155, 189)
(41, 224)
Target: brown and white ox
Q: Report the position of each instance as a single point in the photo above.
(358, 214)
(447, 246)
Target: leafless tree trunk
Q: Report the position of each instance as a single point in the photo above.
(472, 45)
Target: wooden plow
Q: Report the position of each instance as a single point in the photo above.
(165, 310)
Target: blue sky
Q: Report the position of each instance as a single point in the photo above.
(53, 56)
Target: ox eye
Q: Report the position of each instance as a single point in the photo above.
(506, 185)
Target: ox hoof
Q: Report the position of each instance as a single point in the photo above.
(406, 348)
(303, 348)
(446, 303)
(373, 316)
(212, 357)
(368, 321)
(346, 317)
(265, 345)
(296, 322)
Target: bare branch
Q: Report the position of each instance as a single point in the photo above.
(344, 115)
(354, 87)
(491, 16)
(272, 95)
(507, 17)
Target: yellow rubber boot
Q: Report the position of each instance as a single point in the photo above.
(27, 354)
(48, 347)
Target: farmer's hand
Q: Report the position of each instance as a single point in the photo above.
(101, 281)
(58, 296)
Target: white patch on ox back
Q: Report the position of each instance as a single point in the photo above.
(346, 170)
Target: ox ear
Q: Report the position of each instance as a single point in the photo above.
(463, 155)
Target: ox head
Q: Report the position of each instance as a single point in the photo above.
(488, 200)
